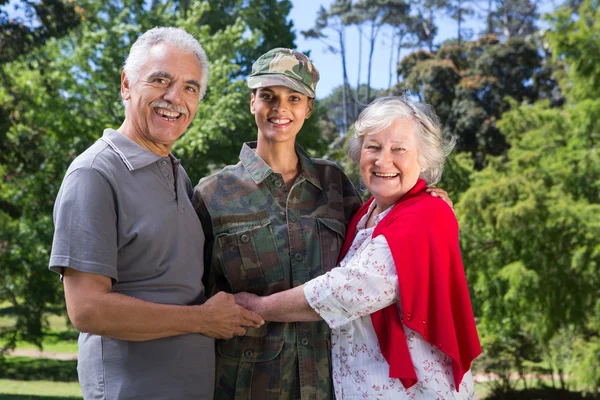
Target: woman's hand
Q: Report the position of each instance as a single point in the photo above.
(441, 193)
(247, 300)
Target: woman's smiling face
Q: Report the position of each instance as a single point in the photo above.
(389, 164)
(279, 112)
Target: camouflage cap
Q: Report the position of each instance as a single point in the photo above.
(284, 67)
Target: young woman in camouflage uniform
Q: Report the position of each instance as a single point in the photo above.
(272, 222)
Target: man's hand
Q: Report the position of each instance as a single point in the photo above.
(441, 193)
(223, 318)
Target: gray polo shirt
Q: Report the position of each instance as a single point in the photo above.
(125, 212)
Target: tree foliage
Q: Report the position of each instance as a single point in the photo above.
(61, 95)
(470, 84)
(531, 227)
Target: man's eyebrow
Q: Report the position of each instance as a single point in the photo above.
(163, 74)
(160, 74)
(193, 82)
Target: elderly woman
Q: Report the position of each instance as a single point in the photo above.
(398, 305)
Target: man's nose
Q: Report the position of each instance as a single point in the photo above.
(172, 94)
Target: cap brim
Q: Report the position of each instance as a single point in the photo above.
(261, 81)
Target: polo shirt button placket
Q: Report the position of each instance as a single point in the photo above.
(164, 169)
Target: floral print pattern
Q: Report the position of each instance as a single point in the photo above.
(364, 283)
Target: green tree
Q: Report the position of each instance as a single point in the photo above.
(469, 85)
(375, 13)
(530, 224)
(268, 18)
(333, 22)
(333, 104)
(515, 18)
(61, 95)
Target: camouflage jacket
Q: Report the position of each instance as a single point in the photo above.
(263, 238)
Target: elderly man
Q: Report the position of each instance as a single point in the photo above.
(128, 243)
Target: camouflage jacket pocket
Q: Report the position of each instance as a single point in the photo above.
(249, 256)
(250, 349)
(331, 238)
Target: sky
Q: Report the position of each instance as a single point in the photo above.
(303, 15)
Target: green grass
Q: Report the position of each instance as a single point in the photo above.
(38, 369)
(52, 342)
(38, 390)
(60, 338)
(38, 379)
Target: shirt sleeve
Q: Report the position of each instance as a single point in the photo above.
(85, 225)
(365, 283)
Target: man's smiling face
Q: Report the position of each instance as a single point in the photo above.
(163, 98)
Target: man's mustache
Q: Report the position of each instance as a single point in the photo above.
(168, 106)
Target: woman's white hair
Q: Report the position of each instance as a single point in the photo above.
(178, 38)
(432, 145)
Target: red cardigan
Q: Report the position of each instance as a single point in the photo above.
(422, 234)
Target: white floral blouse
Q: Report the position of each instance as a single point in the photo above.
(365, 282)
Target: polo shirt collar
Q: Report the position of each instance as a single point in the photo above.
(133, 155)
(259, 170)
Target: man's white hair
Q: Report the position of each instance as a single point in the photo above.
(178, 38)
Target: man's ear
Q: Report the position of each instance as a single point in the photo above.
(252, 99)
(125, 89)
(311, 106)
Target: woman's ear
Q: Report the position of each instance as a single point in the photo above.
(252, 98)
(311, 105)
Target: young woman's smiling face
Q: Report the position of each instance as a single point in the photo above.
(389, 164)
(279, 112)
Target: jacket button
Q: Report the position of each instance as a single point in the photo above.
(292, 218)
(245, 238)
(298, 257)
(304, 341)
(278, 183)
(248, 353)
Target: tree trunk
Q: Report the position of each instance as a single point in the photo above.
(371, 50)
(360, 37)
(506, 21)
(459, 22)
(401, 34)
(490, 20)
(391, 65)
(561, 376)
(342, 40)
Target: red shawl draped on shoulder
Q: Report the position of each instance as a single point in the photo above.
(422, 234)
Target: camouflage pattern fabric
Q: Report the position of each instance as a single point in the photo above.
(284, 67)
(263, 238)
